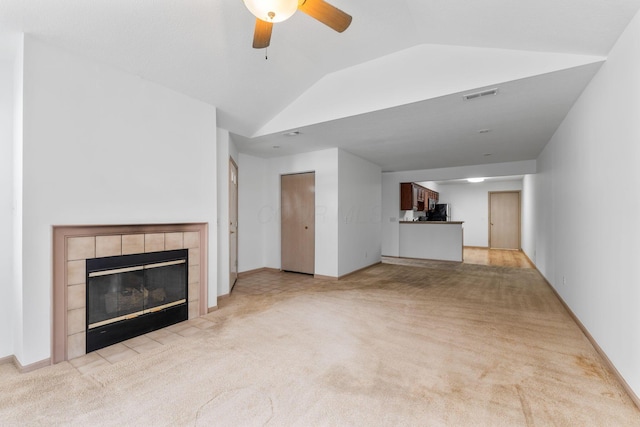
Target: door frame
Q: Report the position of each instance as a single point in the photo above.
(232, 164)
(282, 175)
(519, 192)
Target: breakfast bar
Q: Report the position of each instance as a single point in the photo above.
(435, 240)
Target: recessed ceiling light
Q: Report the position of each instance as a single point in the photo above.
(276, 146)
(484, 130)
(475, 179)
(292, 133)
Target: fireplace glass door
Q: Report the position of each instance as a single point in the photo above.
(134, 294)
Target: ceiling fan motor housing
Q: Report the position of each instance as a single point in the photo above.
(272, 10)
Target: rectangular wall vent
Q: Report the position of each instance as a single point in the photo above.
(475, 95)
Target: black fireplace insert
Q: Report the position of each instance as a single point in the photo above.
(131, 295)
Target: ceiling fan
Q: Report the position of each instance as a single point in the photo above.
(268, 12)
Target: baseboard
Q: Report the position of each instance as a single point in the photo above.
(212, 309)
(428, 259)
(534, 266)
(320, 276)
(32, 366)
(315, 276)
(359, 270)
(257, 270)
(593, 342)
(6, 360)
(489, 248)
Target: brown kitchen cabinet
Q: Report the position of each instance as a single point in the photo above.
(415, 197)
(407, 198)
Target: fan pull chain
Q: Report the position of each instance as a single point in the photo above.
(266, 53)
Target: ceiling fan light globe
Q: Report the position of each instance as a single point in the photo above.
(272, 10)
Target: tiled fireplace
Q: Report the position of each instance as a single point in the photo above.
(75, 247)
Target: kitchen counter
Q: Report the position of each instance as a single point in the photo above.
(437, 240)
(431, 222)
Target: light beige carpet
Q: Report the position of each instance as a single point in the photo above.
(443, 345)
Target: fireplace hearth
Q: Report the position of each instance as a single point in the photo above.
(130, 295)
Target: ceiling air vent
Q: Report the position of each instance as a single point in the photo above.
(475, 95)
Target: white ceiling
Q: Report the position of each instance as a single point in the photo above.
(465, 181)
(388, 89)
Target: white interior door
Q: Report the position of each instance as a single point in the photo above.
(233, 224)
(504, 220)
(298, 204)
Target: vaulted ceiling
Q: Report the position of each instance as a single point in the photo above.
(389, 89)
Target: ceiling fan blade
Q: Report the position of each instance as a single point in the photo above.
(262, 34)
(326, 13)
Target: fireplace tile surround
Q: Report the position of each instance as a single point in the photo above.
(73, 245)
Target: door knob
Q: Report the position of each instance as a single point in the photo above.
(305, 227)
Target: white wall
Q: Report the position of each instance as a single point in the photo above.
(528, 204)
(360, 210)
(391, 191)
(104, 147)
(325, 165)
(18, 120)
(254, 211)
(6, 205)
(588, 209)
(347, 187)
(469, 202)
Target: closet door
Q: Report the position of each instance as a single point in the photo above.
(298, 212)
(504, 220)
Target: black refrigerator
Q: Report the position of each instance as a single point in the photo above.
(440, 212)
